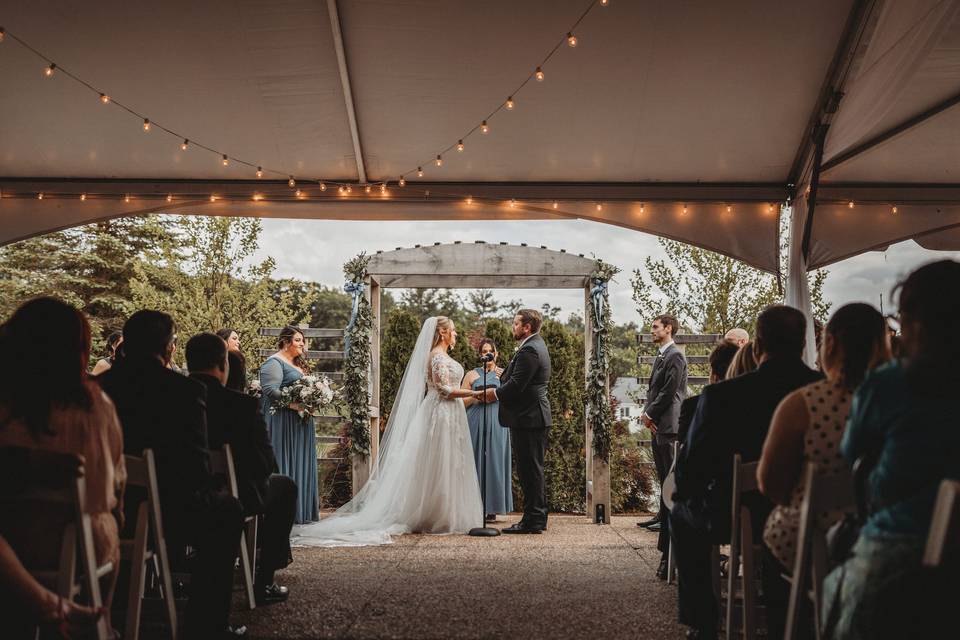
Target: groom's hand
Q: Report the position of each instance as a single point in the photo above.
(490, 395)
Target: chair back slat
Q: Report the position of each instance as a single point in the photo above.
(943, 541)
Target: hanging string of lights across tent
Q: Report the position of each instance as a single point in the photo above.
(187, 142)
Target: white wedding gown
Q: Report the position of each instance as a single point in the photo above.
(426, 479)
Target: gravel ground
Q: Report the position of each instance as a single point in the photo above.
(577, 580)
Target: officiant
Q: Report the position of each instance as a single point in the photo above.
(494, 471)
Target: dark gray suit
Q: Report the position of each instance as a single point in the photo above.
(525, 410)
(668, 385)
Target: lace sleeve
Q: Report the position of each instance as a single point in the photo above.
(440, 375)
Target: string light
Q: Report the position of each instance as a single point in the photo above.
(538, 74)
(684, 209)
(146, 124)
(226, 161)
(184, 144)
(298, 193)
(126, 198)
(419, 172)
(513, 203)
(642, 207)
(469, 199)
(599, 207)
(83, 197)
(48, 72)
(604, 3)
(323, 186)
(402, 181)
(439, 160)
(383, 188)
(291, 182)
(259, 172)
(571, 39)
(729, 208)
(341, 190)
(484, 127)
(850, 205)
(460, 145)
(893, 209)
(104, 98)
(169, 197)
(555, 204)
(257, 197)
(509, 103)
(368, 188)
(769, 208)
(349, 189)
(213, 198)
(40, 196)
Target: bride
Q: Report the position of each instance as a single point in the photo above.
(425, 479)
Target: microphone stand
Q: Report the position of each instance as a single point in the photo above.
(483, 530)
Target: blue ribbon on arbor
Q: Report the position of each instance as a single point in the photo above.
(356, 290)
(597, 293)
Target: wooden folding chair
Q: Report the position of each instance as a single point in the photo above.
(742, 549)
(822, 492)
(221, 462)
(56, 485)
(148, 546)
(943, 541)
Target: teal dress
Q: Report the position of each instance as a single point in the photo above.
(294, 438)
(497, 472)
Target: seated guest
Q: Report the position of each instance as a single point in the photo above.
(113, 343)
(165, 411)
(807, 427)
(235, 419)
(903, 416)
(743, 362)
(236, 372)
(719, 359)
(48, 402)
(732, 417)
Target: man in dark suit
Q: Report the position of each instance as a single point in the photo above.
(732, 417)
(165, 411)
(661, 411)
(720, 358)
(525, 410)
(235, 419)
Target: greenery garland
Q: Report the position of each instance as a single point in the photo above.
(598, 400)
(356, 385)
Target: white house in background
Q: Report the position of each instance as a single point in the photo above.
(625, 390)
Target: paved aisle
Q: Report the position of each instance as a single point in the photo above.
(578, 580)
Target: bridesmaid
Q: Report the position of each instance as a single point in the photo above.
(294, 438)
(497, 470)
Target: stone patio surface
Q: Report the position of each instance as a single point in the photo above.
(577, 580)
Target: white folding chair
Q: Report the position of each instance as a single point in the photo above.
(943, 541)
(148, 546)
(742, 549)
(822, 492)
(221, 462)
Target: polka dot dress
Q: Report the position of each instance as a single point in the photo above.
(828, 404)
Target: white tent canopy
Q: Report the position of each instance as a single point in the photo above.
(689, 120)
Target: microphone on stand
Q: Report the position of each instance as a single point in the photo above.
(484, 530)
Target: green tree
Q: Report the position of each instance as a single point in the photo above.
(502, 334)
(399, 337)
(482, 303)
(198, 277)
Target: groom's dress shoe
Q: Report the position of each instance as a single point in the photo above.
(646, 523)
(654, 527)
(521, 528)
(270, 594)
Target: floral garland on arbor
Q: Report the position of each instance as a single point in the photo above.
(356, 338)
(598, 401)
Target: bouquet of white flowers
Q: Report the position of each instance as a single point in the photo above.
(312, 393)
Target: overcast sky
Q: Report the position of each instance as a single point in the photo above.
(316, 250)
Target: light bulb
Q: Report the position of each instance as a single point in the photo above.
(298, 193)
(419, 172)
(484, 128)
(40, 196)
(599, 207)
(604, 3)
(513, 203)
(323, 186)
(104, 98)
(642, 207)
(169, 197)
(469, 199)
(259, 172)
(126, 198)
(213, 198)
(571, 40)
(439, 160)
(341, 190)
(893, 209)
(1, 34)
(146, 124)
(460, 145)
(509, 103)
(83, 197)
(257, 197)
(402, 181)
(684, 209)
(49, 70)
(729, 208)
(349, 189)
(383, 188)
(226, 160)
(555, 204)
(850, 204)
(368, 188)
(291, 182)
(539, 74)
(184, 144)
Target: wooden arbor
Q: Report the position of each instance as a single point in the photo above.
(475, 266)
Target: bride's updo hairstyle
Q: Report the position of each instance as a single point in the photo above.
(444, 324)
(286, 337)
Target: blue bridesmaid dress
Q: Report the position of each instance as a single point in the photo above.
(497, 472)
(294, 438)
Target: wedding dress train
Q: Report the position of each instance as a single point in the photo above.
(425, 479)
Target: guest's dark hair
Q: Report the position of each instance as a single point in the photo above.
(237, 374)
(206, 351)
(929, 307)
(45, 346)
(483, 341)
(856, 336)
(531, 317)
(286, 337)
(112, 341)
(225, 333)
(147, 334)
(721, 357)
(668, 321)
(781, 332)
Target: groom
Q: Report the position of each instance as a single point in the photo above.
(525, 409)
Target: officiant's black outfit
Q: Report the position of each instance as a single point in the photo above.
(525, 410)
(236, 419)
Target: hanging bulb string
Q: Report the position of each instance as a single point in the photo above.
(513, 94)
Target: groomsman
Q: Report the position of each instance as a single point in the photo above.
(668, 384)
